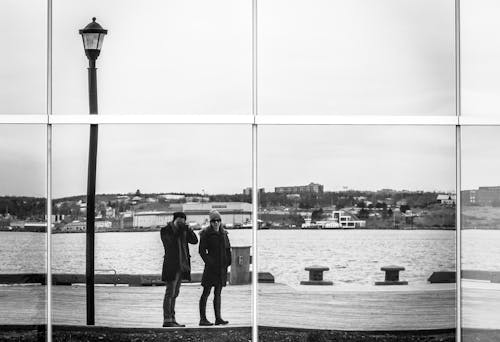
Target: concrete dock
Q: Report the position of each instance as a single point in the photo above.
(427, 306)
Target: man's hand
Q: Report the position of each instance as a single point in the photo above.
(183, 227)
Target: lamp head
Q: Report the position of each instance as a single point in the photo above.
(93, 36)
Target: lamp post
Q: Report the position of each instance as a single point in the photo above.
(92, 35)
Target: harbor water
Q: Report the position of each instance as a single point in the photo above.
(353, 256)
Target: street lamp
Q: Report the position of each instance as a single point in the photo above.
(93, 36)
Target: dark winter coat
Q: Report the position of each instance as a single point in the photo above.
(171, 261)
(215, 250)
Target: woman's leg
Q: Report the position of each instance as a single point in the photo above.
(217, 306)
(203, 305)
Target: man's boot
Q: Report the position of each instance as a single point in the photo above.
(173, 314)
(217, 307)
(167, 319)
(204, 322)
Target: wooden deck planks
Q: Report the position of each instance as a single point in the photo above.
(278, 305)
(365, 310)
(481, 306)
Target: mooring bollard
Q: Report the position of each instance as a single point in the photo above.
(392, 276)
(316, 276)
(240, 265)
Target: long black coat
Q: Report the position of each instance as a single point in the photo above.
(215, 250)
(171, 262)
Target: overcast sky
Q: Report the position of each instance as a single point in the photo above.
(23, 150)
(358, 157)
(480, 56)
(480, 160)
(315, 57)
(217, 159)
(154, 158)
(194, 57)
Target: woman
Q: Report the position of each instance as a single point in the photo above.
(215, 251)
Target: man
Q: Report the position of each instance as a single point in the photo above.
(176, 263)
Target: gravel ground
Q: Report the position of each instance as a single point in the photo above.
(266, 334)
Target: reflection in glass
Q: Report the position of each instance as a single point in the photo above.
(479, 57)
(23, 58)
(480, 234)
(357, 57)
(23, 228)
(343, 204)
(146, 173)
(161, 58)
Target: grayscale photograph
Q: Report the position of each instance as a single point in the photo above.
(384, 57)
(23, 229)
(172, 227)
(246, 170)
(356, 228)
(480, 234)
(23, 71)
(479, 56)
(163, 57)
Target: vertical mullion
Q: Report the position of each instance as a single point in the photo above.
(458, 165)
(458, 258)
(255, 198)
(49, 173)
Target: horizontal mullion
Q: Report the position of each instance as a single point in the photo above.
(354, 120)
(151, 119)
(472, 120)
(24, 119)
(478, 120)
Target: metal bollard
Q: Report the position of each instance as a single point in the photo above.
(240, 266)
(392, 276)
(316, 276)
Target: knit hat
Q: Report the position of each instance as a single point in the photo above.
(179, 214)
(214, 215)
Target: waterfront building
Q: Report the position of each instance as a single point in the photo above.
(197, 199)
(232, 213)
(248, 191)
(488, 195)
(102, 225)
(446, 199)
(146, 219)
(172, 198)
(469, 197)
(17, 224)
(122, 198)
(485, 195)
(339, 219)
(311, 188)
(74, 227)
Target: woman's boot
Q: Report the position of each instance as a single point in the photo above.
(217, 306)
(203, 316)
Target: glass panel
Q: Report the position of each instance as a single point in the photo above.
(90, 41)
(23, 225)
(479, 57)
(146, 173)
(166, 57)
(342, 208)
(480, 234)
(357, 57)
(23, 58)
